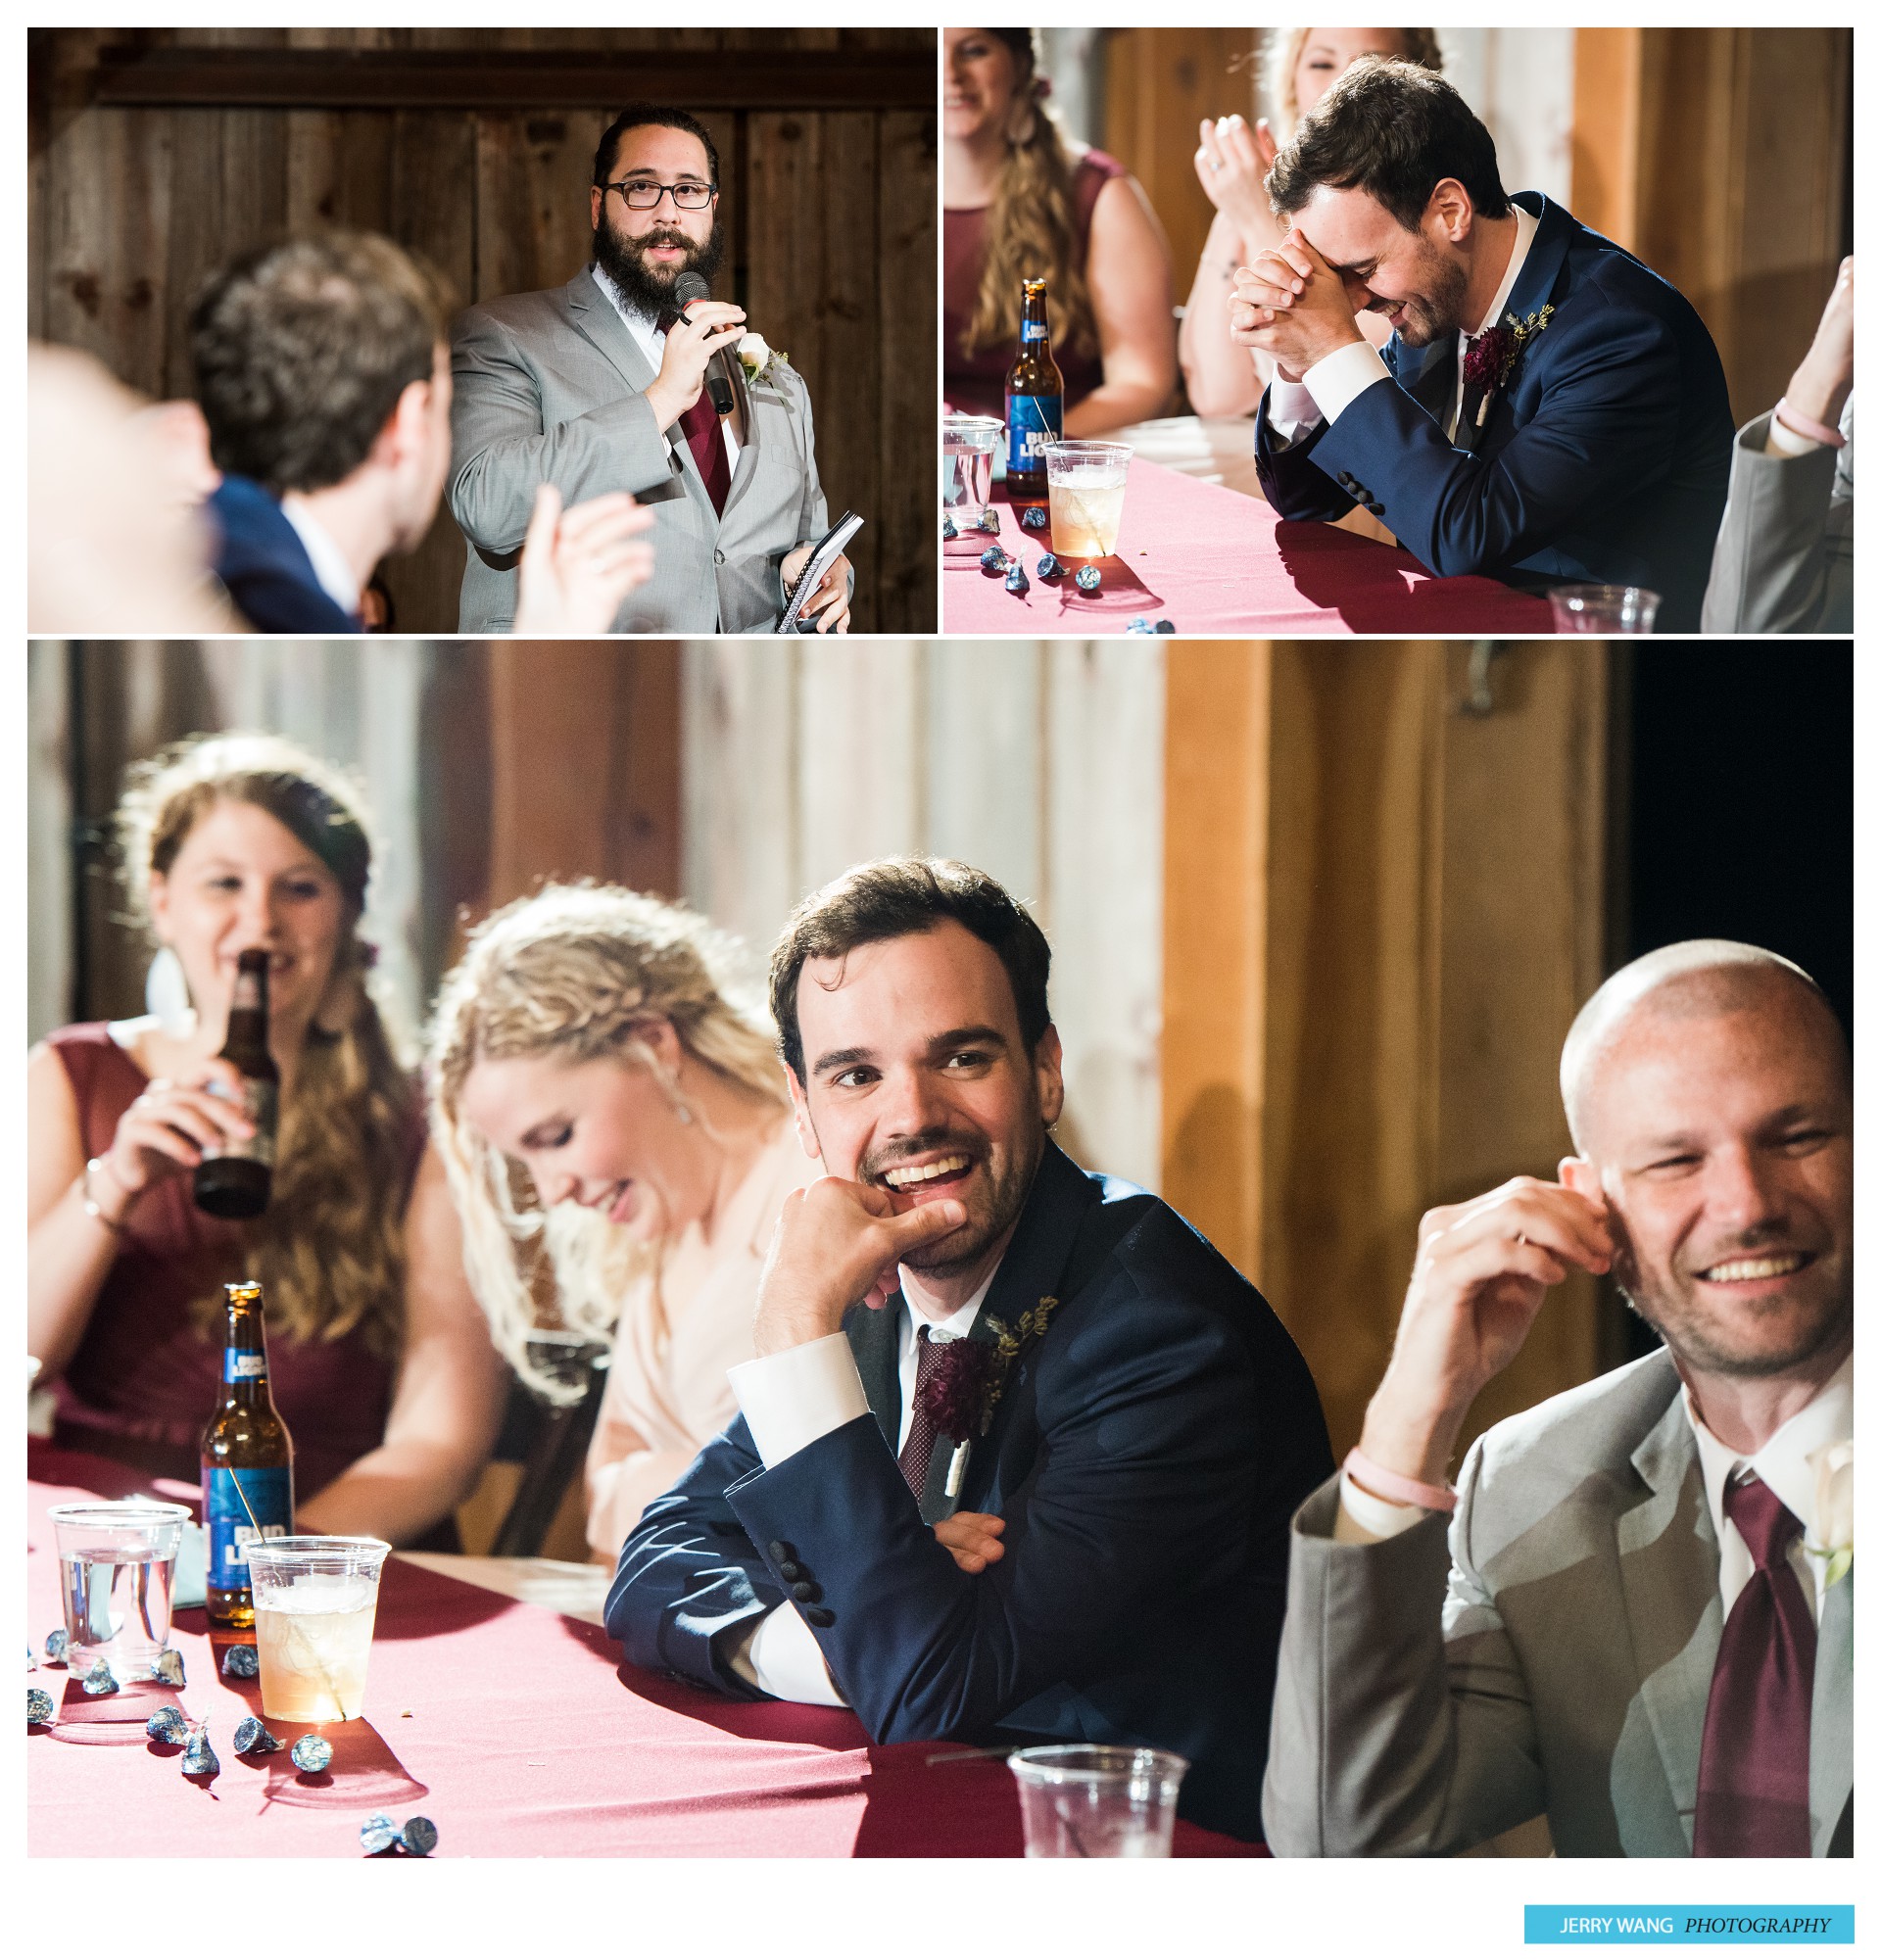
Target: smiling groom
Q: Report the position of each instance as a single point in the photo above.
(1548, 410)
(1018, 1451)
(601, 384)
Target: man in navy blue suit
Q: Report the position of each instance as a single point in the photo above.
(323, 372)
(1017, 1456)
(1548, 410)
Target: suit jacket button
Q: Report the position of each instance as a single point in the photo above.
(819, 1616)
(786, 1569)
(804, 1591)
(779, 1551)
(718, 557)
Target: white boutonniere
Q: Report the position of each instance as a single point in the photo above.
(1834, 1465)
(759, 360)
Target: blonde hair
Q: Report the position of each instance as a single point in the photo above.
(329, 1250)
(1280, 61)
(575, 972)
(1031, 226)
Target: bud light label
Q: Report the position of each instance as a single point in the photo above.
(244, 1364)
(231, 1530)
(1034, 423)
(1034, 330)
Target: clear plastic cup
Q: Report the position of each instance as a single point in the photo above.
(1603, 609)
(967, 447)
(1084, 482)
(117, 1571)
(1090, 1801)
(315, 1603)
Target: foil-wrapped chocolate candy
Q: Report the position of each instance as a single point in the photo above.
(169, 1725)
(993, 560)
(419, 1837)
(1089, 579)
(949, 529)
(241, 1663)
(253, 1738)
(38, 1706)
(312, 1754)
(987, 521)
(378, 1834)
(100, 1680)
(1017, 581)
(199, 1760)
(167, 1668)
(1036, 518)
(1050, 568)
(55, 1644)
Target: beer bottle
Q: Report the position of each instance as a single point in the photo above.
(248, 1462)
(1034, 401)
(232, 1181)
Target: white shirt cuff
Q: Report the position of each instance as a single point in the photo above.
(1365, 1519)
(791, 1398)
(1291, 408)
(1337, 381)
(1783, 441)
(779, 1655)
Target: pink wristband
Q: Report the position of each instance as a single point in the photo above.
(1394, 1489)
(1818, 432)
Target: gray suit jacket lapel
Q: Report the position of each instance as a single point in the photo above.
(1832, 1715)
(1668, 1573)
(594, 316)
(750, 451)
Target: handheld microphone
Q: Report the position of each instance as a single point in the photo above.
(686, 288)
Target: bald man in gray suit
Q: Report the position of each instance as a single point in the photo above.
(1640, 1619)
(598, 386)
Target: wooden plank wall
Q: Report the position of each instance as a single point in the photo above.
(830, 215)
(1381, 915)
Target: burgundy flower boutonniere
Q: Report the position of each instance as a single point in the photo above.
(1489, 359)
(964, 1386)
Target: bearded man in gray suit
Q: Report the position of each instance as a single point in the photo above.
(1643, 1622)
(601, 386)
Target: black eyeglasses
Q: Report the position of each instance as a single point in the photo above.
(642, 194)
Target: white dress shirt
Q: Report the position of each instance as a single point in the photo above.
(1782, 1463)
(1331, 386)
(789, 1400)
(653, 344)
(328, 559)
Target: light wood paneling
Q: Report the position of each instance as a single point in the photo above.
(1720, 155)
(1381, 913)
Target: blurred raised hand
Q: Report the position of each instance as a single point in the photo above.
(578, 564)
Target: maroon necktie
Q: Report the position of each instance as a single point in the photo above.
(1753, 1766)
(919, 1446)
(700, 425)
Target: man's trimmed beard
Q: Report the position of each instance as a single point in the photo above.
(648, 292)
(1434, 316)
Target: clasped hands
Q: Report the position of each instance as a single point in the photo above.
(836, 1242)
(1293, 305)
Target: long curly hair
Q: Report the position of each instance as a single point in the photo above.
(1281, 62)
(1031, 226)
(329, 1250)
(575, 972)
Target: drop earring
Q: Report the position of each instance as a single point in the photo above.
(166, 994)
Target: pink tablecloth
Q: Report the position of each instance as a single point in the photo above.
(518, 1732)
(1213, 561)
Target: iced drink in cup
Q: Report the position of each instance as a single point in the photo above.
(1085, 484)
(117, 1567)
(967, 444)
(315, 1601)
(1090, 1801)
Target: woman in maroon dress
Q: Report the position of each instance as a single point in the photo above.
(379, 1359)
(1021, 203)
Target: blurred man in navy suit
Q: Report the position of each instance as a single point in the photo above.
(1548, 410)
(1018, 1452)
(324, 376)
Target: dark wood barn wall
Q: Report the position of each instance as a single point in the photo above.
(158, 154)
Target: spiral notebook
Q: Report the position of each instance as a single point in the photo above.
(829, 546)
